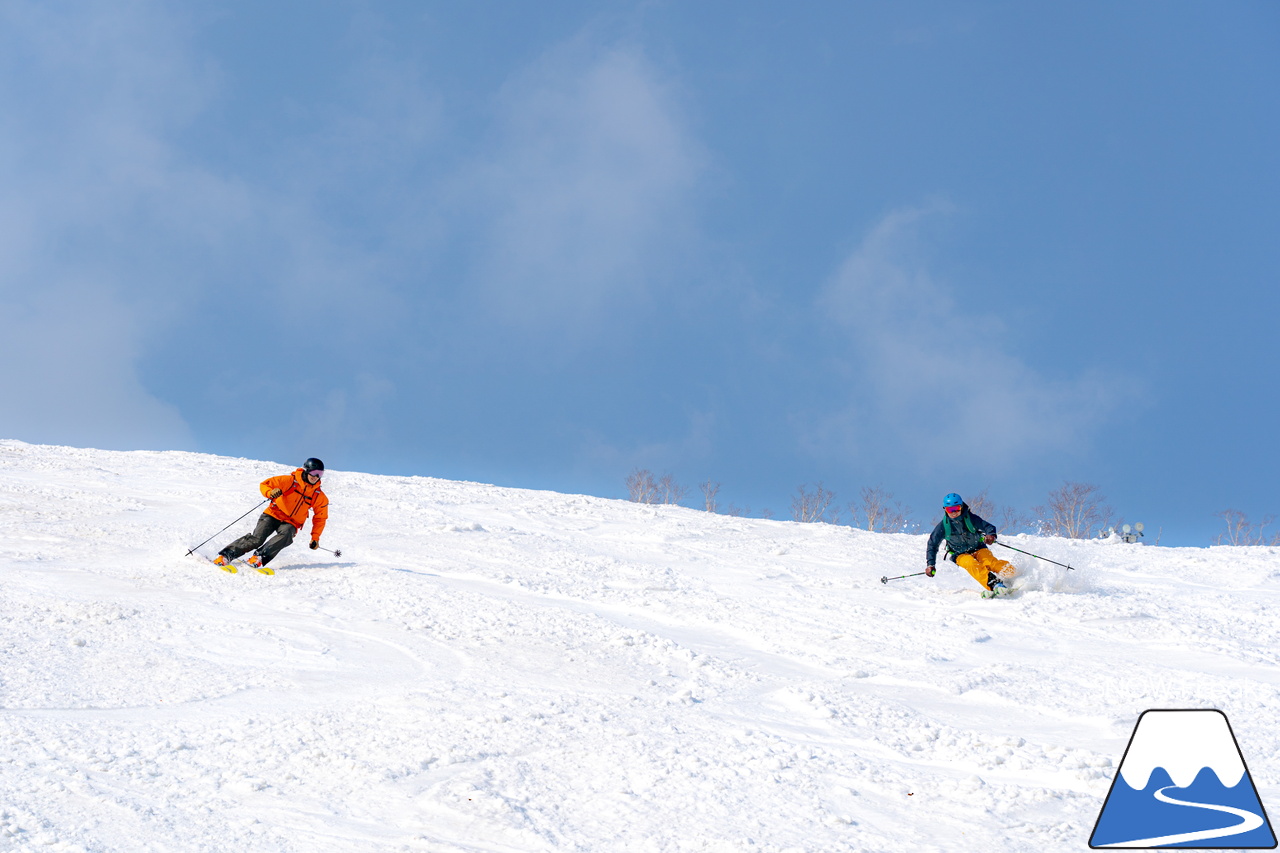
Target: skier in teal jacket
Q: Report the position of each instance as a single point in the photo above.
(967, 536)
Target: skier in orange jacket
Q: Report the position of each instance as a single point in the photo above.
(292, 497)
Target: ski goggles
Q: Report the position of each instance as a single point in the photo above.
(318, 473)
(953, 508)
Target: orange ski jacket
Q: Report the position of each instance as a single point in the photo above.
(297, 498)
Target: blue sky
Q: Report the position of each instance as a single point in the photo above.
(931, 247)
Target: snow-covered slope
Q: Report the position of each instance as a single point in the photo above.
(488, 669)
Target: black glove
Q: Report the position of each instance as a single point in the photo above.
(930, 571)
(274, 493)
(989, 538)
(315, 543)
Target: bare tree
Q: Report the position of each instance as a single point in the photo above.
(1075, 510)
(669, 491)
(735, 511)
(709, 491)
(812, 506)
(1011, 520)
(982, 505)
(879, 511)
(1241, 532)
(642, 488)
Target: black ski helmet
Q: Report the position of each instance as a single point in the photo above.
(312, 464)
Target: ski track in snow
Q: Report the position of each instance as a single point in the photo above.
(491, 669)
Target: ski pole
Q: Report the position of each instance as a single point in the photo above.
(900, 577)
(1037, 556)
(192, 551)
(337, 553)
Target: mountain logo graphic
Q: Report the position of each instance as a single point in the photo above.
(1183, 784)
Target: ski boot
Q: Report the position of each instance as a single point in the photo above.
(995, 586)
(256, 562)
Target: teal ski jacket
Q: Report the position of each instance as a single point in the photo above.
(963, 535)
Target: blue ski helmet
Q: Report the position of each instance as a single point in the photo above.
(952, 500)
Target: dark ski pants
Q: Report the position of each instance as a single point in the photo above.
(283, 538)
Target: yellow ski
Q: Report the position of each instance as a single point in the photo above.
(230, 566)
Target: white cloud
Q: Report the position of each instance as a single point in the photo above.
(930, 371)
(68, 376)
(585, 196)
(126, 183)
(685, 450)
(87, 187)
(109, 199)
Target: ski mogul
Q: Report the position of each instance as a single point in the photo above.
(292, 497)
(967, 537)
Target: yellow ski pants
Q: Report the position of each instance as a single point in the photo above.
(982, 561)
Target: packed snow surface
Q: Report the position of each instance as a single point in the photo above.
(490, 669)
